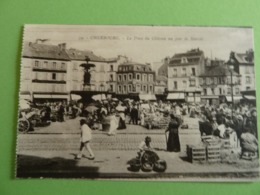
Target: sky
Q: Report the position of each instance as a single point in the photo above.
(145, 44)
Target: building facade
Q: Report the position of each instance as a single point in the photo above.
(183, 72)
(244, 65)
(217, 86)
(135, 78)
(44, 72)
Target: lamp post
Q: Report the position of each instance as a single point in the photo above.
(231, 68)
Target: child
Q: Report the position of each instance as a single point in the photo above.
(85, 140)
(144, 146)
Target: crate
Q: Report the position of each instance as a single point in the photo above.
(210, 140)
(196, 154)
(225, 143)
(213, 154)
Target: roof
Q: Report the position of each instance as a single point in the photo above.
(193, 57)
(161, 78)
(243, 58)
(218, 71)
(75, 54)
(137, 66)
(163, 70)
(35, 50)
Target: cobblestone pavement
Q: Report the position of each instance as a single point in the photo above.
(50, 152)
(48, 139)
(100, 142)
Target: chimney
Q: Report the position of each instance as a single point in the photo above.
(62, 46)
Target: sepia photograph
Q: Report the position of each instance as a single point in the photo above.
(159, 103)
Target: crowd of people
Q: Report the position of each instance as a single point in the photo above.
(237, 123)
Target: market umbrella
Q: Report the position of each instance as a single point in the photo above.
(114, 99)
(97, 97)
(91, 108)
(24, 104)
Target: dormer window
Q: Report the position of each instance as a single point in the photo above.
(184, 60)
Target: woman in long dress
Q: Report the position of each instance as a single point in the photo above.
(113, 124)
(173, 142)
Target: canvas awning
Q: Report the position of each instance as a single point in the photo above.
(235, 98)
(249, 97)
(75, 97)
(147, 97)
(50, 96)
(175, 96)
(99, 97)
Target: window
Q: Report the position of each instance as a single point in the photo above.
(111, 67)
(150, 77)
(220, 91)
(248, 80)
(54, 65)
(125, 77)
(205, 91)
(229, 91)
(212, 91)
(174, 72)
(111, 87)
(151, 88)
(63, 66)
(144, 77)
(247, 70)
(184, 60)
(111, 78)
(193, 72)
(119, 88)
(175, 85)
(45, 64)
(184, 83)
(129, 77)
(144, 88)
(192, 82)
(119, 77)
(124, 88)
(219, 80)
(138, 76)
(36, 65)
(129, 88)
(184, 73)
(53, 76)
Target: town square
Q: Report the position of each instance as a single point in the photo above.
(122, 102)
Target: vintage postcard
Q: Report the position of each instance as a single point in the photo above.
(137, 102)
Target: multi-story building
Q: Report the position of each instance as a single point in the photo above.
(76, 71)
(136, 79)
(244, 65)
(44, 72)
(160, 87)
(216, 84)
(103, 74)
(183, 72)
(163, 69)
